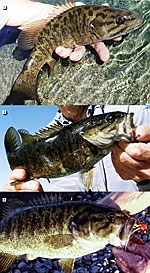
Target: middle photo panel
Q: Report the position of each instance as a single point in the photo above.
(72, 147)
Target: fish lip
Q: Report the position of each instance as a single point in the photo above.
(125, 128)
(129, 123)
(128, 226)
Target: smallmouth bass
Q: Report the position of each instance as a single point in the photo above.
(59, 151)
(62, 230)
(69, 26)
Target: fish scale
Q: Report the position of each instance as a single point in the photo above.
(69, 26)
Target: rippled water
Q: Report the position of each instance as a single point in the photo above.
(123, 79)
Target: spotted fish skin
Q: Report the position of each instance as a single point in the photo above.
(73, 148)
(79, 25)
(68, 229)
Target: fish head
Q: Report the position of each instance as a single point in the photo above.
(102, 225)
(103, 131)
(111, 22)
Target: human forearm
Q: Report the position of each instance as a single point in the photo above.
(131, 202)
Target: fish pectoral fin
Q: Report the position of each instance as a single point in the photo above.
(87, 178)
(12, 140)
(67, 265)
(6, 260)
(89, 139)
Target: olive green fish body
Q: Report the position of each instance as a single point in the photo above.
(70, 149)
(67, 230)
(67, 153)
(78, 25)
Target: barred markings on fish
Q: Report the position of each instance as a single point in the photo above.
(69, 26)
(70, 149)
(69, 230)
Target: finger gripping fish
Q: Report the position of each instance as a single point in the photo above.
(48, 228)
(59, 151)
(68, 26)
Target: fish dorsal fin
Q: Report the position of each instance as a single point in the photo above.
(12, 206)
(12, 140)
(46, 200)
(30, 31)
(48, 130)
(67, 265)
(65, 6)
(6, 260)
(26, 137)
(87, 178)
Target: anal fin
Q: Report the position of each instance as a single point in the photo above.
(87, 178)
(51, 63)
(67, 265)
(6, 260)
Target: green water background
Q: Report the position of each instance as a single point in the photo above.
(124, 79)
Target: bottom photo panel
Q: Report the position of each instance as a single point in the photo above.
(77, 232)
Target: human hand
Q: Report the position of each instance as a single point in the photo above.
(20, 174)
(77, 53)
(132, 160)
(129, 202)
(137, 260)
(27, 11)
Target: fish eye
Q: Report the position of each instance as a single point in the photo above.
(122, 114)
(111, 217)
(110, 118)
(120, 20)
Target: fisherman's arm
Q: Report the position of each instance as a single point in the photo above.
(20, 174)
(130, 202)
(132, 160)
(26, 11)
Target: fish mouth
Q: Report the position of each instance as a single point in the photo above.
(125, 231)
(125, 128)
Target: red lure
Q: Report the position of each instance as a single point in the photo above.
(140, 227)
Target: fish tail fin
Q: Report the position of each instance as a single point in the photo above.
(6, 260)
(24, 88)
(12, 140)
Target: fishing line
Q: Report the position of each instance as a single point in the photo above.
(105, 177)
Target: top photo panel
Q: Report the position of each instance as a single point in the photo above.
(74, 52)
